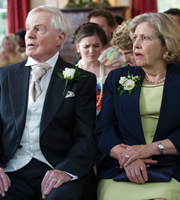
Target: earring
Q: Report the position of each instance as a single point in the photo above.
(78, 51)
(165, 55)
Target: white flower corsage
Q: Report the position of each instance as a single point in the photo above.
(69, 75)
(128, 83)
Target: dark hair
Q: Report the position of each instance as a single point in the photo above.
(173, 11)
(101, 12)
(89, 29)
(119, 20)
(21, 33)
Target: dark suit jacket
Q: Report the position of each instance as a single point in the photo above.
(67, 124)
(120, 120)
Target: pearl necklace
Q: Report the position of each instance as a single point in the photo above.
(155, 82)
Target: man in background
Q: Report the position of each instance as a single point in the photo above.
(123, 42)
(110, 57)
(175, 14)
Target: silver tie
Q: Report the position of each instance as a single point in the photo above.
(38, 71)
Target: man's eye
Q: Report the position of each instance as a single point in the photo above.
(40, 30)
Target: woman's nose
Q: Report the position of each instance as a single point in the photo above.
(137, 43)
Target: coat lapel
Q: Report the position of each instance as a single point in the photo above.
(18, 83)
(168, 95)
(54, 96)
(130, 109)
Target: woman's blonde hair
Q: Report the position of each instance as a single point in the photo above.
(166, 30)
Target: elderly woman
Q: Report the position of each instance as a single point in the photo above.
(138, 129)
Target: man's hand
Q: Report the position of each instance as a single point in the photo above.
(5, 182)
(53, 179)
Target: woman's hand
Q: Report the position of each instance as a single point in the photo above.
(137, 172)
(132, 153)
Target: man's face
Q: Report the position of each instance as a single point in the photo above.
(42, 42)
(128, 57)
(176, 18)
(101, 21)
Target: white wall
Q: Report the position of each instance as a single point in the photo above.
(56, 3)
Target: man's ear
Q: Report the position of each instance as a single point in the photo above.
(60, 38)
(113, 28)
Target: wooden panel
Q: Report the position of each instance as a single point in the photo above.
(77, 17)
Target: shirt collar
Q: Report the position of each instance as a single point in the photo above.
(52, 61)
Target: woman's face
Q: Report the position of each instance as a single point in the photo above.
(7, 45)
(148, 49)
(90, 48)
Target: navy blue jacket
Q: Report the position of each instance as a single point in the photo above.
(120, 120)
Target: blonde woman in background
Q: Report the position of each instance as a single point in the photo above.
(9, 53)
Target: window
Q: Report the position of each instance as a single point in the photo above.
(164, 5)
(3, 18)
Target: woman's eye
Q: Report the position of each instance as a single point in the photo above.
(145, 38)
(96, 46)
(134, 38)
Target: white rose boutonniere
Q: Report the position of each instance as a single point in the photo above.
(128, 83)
(69, 75)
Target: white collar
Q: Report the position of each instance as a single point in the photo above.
(52, 61)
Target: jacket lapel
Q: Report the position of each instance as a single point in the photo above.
(18, 82)
(54, 96)
(131, 109)
(166, 106)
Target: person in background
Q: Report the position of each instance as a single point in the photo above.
(122, 41)
(110, 56)
(20, 40)
(9, 53)
(138, 128)
(90, 40)
(174, 13)
(119, 20)
(48, 110)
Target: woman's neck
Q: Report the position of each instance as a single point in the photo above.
(155, 75)
(93, 66)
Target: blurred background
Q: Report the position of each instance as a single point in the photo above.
(13, 13)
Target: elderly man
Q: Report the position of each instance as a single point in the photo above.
(47, 114)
